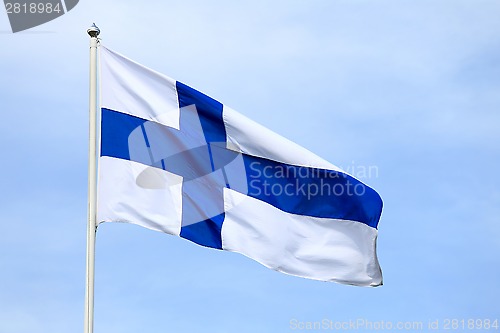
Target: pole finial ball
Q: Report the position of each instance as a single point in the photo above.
(93, 31)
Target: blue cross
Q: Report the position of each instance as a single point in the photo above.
(197, 152)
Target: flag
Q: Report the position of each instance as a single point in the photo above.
(175, 160)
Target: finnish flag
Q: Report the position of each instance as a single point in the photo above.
(177, 161)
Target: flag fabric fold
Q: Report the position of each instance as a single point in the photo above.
(177, 161)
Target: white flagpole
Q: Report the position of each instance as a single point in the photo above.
(93, 32)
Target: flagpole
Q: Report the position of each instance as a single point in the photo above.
(93, 32)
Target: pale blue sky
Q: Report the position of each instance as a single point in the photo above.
(410, 87)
